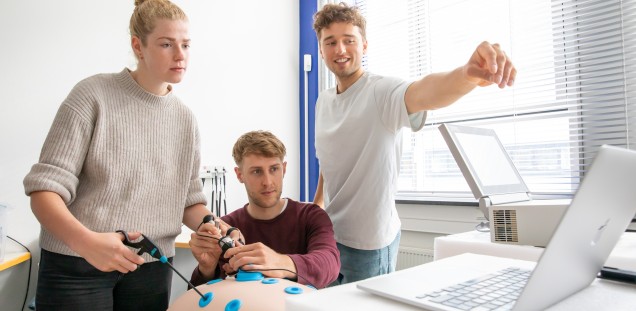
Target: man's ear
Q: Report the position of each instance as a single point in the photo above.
(365, 44)
(284, 168)
(239, 175)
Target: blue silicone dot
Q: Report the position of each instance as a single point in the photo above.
(233, 305)
(205, 300)
(293, 290)
(163, 259)
(213, 281)
(269, 281)
(244, 276)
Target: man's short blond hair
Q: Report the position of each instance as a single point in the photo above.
(262, 143)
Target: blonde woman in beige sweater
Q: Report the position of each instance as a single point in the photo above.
(122, 154)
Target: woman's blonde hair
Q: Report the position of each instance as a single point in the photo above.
(147, 12)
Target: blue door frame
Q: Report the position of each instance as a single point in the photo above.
(308, 46)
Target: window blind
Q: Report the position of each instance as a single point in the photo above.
(574, 90)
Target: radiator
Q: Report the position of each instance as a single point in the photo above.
(411, 256)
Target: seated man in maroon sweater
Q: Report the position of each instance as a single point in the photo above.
(283, 238)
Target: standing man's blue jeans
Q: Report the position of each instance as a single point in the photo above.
(71, 283)
(358, 264)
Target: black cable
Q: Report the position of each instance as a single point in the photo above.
(240, 240)
(207, 236)
(26, 295)
(206, 219)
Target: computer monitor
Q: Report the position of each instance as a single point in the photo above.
(483, 161)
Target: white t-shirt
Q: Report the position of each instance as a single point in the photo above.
(358, 144)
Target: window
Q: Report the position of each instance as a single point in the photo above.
(574, 91)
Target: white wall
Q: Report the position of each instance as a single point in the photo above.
(243, 75)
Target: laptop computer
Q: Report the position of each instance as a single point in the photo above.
(600, 211)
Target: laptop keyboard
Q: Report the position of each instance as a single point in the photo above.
(495, 291)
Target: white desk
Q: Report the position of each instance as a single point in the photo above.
(14, 273)
(623, 256)
(600, 295)
(13, 258)
(183, 239)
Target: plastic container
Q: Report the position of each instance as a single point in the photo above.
(4, 222)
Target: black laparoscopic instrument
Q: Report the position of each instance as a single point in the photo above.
(145, 245)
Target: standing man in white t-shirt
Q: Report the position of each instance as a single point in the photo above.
(357, 136)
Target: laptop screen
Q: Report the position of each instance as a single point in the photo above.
(483, 160)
